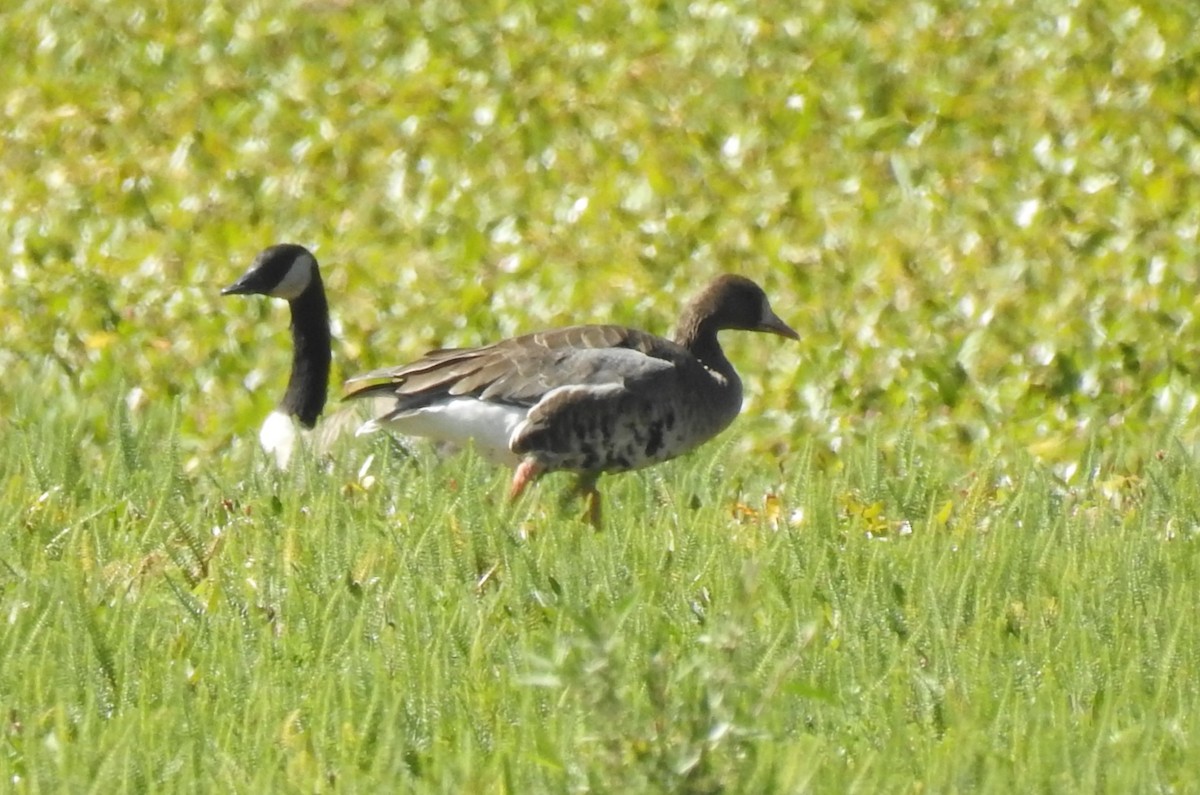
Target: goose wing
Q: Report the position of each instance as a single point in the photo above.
(522, 370)
(629, 410)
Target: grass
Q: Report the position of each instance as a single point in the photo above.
(338, 628)
(951, 544)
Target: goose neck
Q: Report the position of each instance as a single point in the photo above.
(311, 355)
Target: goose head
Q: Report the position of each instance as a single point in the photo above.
(283, 271)
(729, 302)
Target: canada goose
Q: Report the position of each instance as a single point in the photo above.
(290, 271)
(583, 399)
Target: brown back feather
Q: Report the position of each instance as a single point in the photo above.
(518, 370)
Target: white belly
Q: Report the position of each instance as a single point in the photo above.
(460, 421)
(278, 437)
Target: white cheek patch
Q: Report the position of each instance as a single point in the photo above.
(297, 278)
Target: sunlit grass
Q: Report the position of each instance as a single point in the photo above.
(890, 623)
(950, 545)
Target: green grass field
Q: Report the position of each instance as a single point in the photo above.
(952, 545)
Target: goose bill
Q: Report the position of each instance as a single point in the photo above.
(774, 325)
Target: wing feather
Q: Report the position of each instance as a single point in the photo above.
(522, 370)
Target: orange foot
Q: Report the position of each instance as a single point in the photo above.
(527, 472)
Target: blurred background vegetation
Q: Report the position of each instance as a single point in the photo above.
(982, 216)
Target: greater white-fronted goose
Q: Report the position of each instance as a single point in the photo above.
(582, 399)
(290, 272)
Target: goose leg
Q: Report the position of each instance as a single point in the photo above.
(586, 487)
(527, 472)
(593, 507)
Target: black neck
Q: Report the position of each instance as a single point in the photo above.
(700, 338)
(311, 354)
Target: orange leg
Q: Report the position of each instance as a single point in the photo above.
(527, 472)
